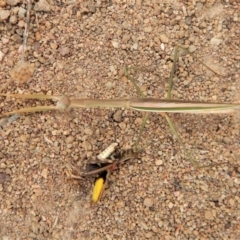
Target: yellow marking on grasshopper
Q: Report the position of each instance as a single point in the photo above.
(98, 189)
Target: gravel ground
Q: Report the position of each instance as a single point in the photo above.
(80, 48)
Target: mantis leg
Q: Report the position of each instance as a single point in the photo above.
(146, 115)
(169, 121)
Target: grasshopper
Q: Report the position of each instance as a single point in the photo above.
(102, 166)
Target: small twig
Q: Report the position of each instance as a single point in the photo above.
(27, 24)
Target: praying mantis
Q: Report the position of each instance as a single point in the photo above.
(162, 106)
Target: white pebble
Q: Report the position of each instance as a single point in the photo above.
(162, 46)
(115, 44)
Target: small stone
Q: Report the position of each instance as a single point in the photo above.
(88, 131)
(227, 140)
(192, 49)
(162, 46)
(38, 36)
(188, 20)
(2, 3)
(157, 9)
(125, 38)
(148, 202)
(12, 2)
(4, 177)
(203, 25)
(21, 24)
(69, 139)
(23, 137)
(215, 41)
(109, 85)
(87, 145)
(163, 38)
(148, 29)
(13, 19)
(115, 44)
(135, 46)
(4, 15)
(214, 97)
(112, 68)
(64, 51)
(1, 56)
(170, 205)
(143, 225)
(44, 173)
(199, 6)
(149, 235)
(117, 116)
(209, 215)
(42, 5)
(84, 10)
(204, 188)
(5, 40)
(21, 12)
(16, 38)
(159, 162)
(231, 202)
(122, 125)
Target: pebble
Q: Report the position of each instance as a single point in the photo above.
(148, 202)
(149, 235)
(126, 38)
(199, 6)
(188, 20)
(148, 29)
(4, 15)
(4, 177)
(64, 50)
(21, 24)
(122, 125)
(44, 173)
(12, 2)
(215, 41)
(159, 162)
(209, 215)
(170, 205)
(109, 85)
(163, 38)
(43, 6)
(117, 116)
(21, 12)
(13, 19)
(115, 44)
(88, 131)
(3, 3)
(203, 25)
(192, 49)
(135, 46)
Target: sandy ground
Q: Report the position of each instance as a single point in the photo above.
(80, 48)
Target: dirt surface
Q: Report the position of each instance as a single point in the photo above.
(80, 48)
